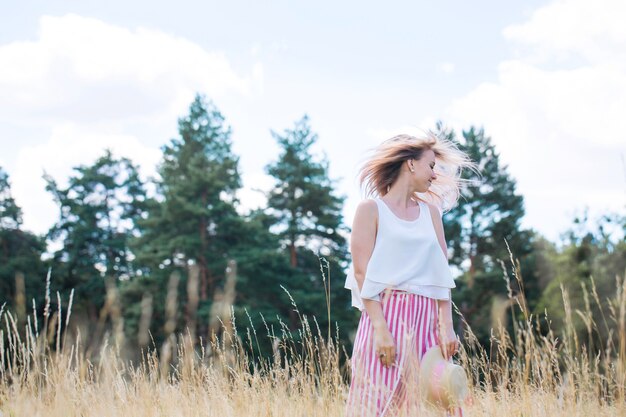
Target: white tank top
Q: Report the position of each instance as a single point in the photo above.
(406, 256)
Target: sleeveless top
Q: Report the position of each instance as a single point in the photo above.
(407, 256)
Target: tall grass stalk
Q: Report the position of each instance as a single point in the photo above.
(529, 372)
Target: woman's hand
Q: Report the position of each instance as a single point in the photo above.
(448, 341)
(384, 345)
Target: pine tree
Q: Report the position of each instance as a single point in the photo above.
(22, 272)
(192, 220)
(308, 221)
(307, 211)
(489, 212)
(10, 213)
(98, 211)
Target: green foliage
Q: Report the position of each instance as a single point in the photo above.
(489, 213)
(192, 219)
(10, 213)
(262, 269)
(98, 210)
(586, 268)
(303, 202)
(308, 221)
(20, 253)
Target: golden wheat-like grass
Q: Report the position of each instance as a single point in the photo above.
(525, 373)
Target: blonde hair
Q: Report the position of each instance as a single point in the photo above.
(381, 170)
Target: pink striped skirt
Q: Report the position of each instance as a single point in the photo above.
(376, 390)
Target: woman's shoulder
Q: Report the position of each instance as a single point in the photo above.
(367, 208)
(368, 203)
(435, 212)
(366, 217)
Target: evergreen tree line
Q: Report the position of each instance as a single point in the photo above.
(151, 267)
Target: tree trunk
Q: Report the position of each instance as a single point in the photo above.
(293, 319)
(293, 226)
(204, 278)
(206, 286)
(294, 259)
(472, 252)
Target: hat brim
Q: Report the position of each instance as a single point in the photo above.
(451, 388)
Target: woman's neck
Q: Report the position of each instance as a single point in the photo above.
(401, 195)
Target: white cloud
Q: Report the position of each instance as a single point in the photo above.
(594, 31)
(85, 69)
(556, 113)
(447, 67)
(69, 146)
(89, 85)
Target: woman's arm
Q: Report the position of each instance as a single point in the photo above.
(448, 341)
(362, 240)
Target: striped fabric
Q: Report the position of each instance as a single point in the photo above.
(376, 390)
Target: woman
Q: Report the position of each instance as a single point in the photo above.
(399, 277)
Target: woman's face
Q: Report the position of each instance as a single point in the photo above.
(423, 171)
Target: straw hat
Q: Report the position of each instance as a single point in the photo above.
(442, 383)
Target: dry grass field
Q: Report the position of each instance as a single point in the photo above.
(526, 373)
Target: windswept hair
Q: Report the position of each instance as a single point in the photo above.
(382, 168)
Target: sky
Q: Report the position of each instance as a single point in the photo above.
(545, 79)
